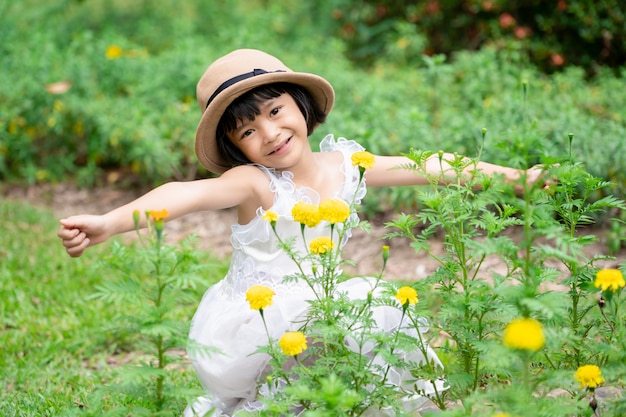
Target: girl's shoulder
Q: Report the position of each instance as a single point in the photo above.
(246, 172)
(257, 183)
(255, 176)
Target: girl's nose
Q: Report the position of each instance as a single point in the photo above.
(271, 132)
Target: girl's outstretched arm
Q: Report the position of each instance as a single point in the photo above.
(178, 198)
(387, 171)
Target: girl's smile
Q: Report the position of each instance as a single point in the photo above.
(283, 148)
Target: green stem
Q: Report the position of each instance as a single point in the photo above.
(608, 322)
(438, 399)
(395, 341)
(159, 341)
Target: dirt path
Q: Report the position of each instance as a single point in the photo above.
(213, 229)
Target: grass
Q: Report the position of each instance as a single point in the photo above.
(60, 345)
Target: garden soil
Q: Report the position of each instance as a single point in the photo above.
(213, 231)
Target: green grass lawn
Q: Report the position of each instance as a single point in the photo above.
(59, 344)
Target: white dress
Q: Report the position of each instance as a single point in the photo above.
(224, 320)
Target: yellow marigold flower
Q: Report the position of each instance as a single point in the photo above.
(502, 415)
(334, 210)
(524, 333)
(363, 159)
(270, 216)
(321, 245)
(407, 295)
(609, 279)
(114, 52)
(259, 297)
(158, 215)
(589, 376)
(292, 343)
(305, 213)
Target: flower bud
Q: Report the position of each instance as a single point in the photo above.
(136, 219)
(385, 253)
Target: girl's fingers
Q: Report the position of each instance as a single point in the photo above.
(76, 251)
(75, 241)
(67, 233)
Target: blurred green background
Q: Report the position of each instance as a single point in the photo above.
(103, 91)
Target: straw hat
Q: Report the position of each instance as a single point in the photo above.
(235, 74)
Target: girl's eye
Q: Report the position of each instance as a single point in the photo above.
(274, 111)
(246, 133)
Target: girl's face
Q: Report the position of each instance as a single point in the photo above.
(277, 137)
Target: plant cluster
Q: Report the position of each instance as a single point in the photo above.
(517, 335)
(156, 279)
(551, 34)
(507, 338)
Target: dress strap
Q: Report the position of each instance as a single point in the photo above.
(279, 182)
(352, 187)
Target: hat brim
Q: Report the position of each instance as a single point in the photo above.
(206, 143)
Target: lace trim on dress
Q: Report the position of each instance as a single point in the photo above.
(244, 272)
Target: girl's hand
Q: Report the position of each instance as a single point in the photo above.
(539, 176)
(80, 232)
(536, 176)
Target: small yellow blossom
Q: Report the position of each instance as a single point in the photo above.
(334, 210)
(321, 245)
(609, 279)
(363, 159)
(292, 343)
(113, 52)
(589, 376)
(270, 216)
(158, 215)
(524, 333)
(259, 297)
(501, 415)
(305, 213)
(402, 43)
(407, 295)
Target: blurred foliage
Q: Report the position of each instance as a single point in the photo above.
(552, 34)
(103, 91)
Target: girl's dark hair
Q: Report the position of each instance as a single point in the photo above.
(246, 107)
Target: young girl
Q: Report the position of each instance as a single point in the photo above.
(257, 117)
